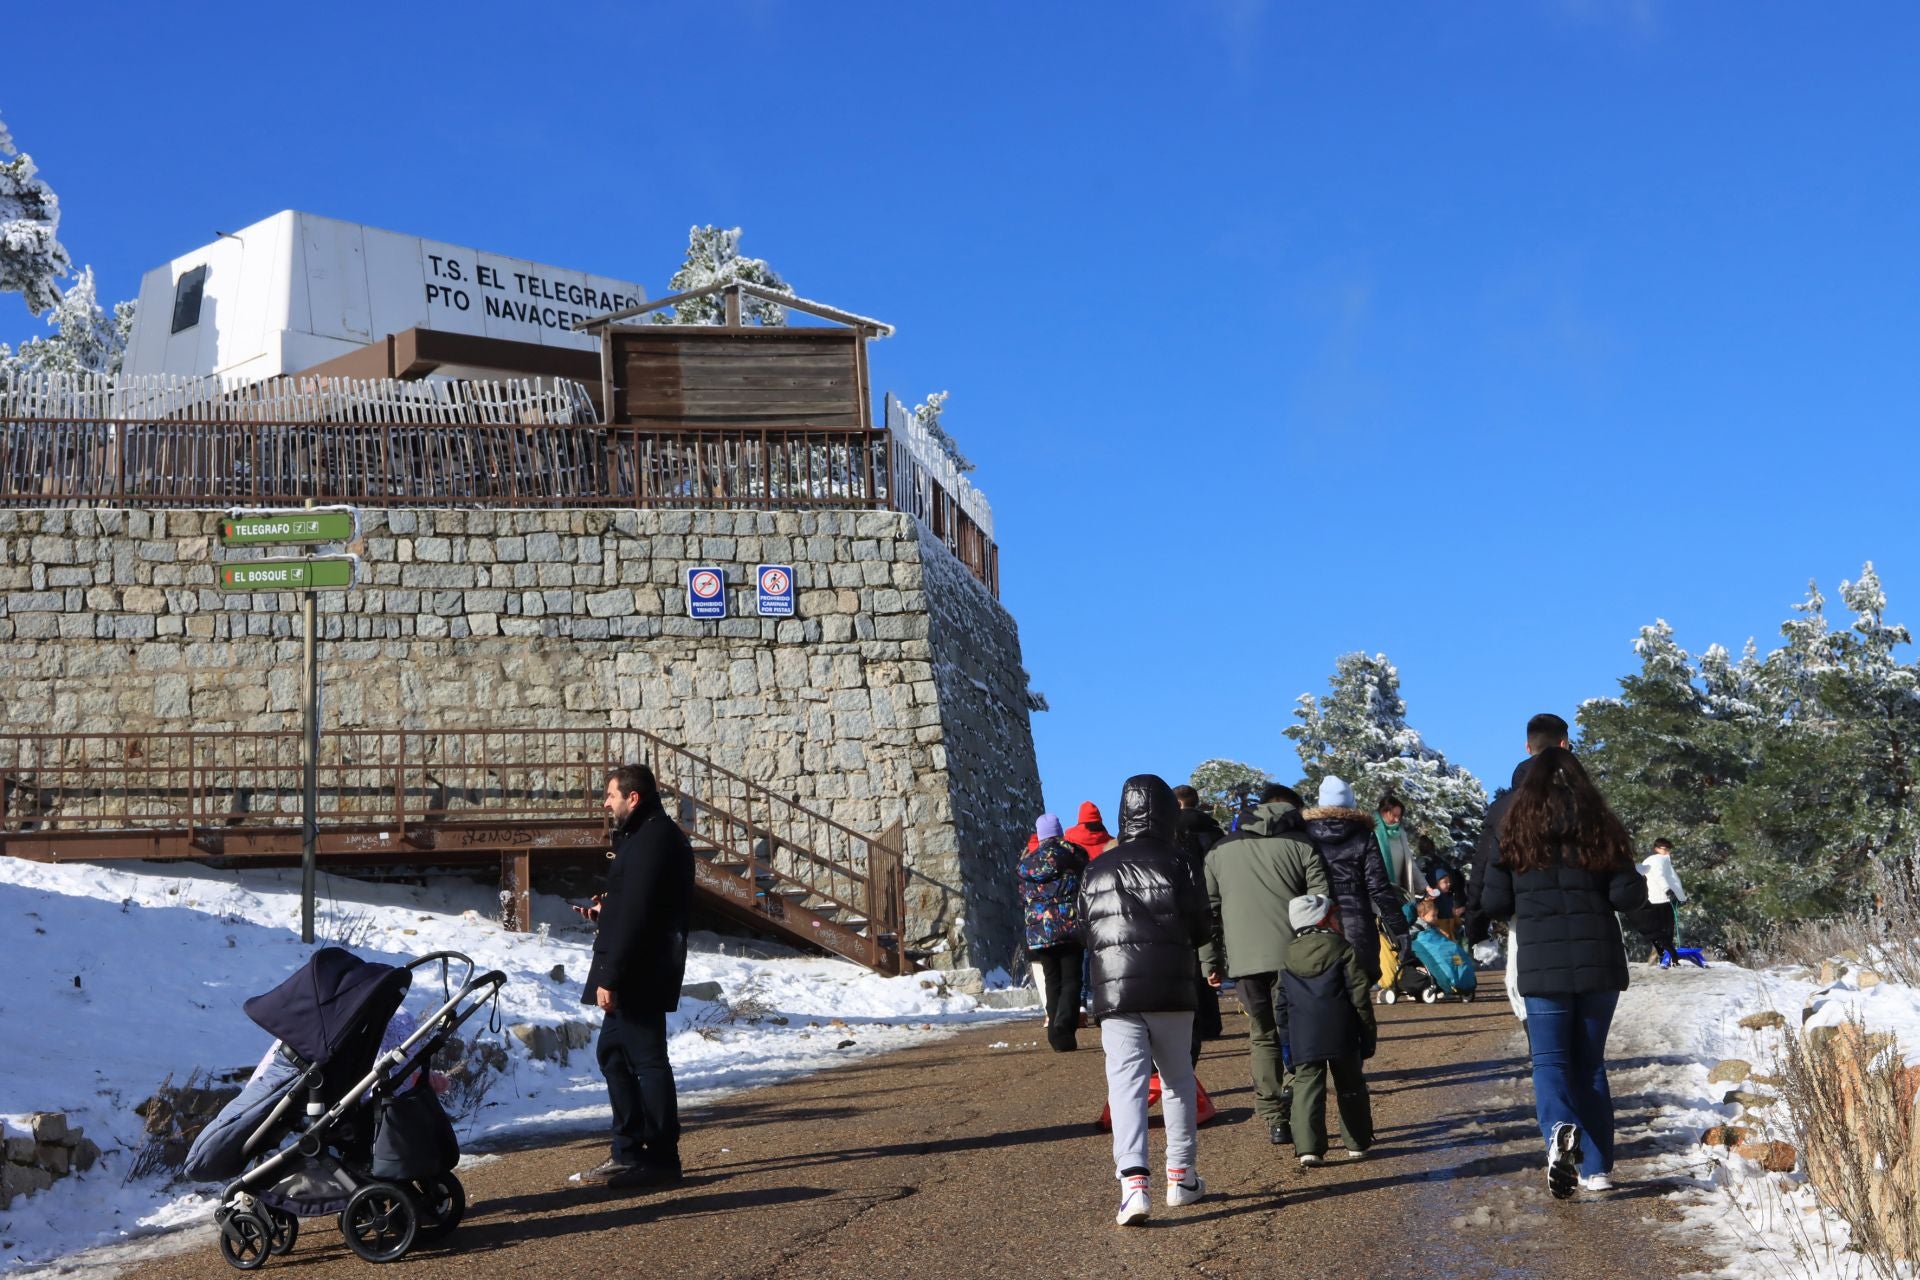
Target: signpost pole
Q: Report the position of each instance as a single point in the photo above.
(309, 761)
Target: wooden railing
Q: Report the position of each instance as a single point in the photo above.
(439, 792)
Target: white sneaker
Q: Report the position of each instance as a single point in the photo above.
(1563, 1160)
(1595, 1182)
(1356, 1153)
(1134, 1204)
(1311, 1162)
(1187, 1192)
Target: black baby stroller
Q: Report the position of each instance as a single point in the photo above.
(332, 1125)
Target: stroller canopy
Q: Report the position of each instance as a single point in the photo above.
(331, 1002)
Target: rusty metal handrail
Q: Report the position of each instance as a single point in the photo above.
(410, 781)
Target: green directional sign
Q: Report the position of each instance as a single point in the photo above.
(266, 528)
(323, 573)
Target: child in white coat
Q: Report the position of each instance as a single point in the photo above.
(1661, 918)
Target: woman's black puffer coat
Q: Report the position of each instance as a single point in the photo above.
(1142, 910)
(1345, 840)
(1563, 917)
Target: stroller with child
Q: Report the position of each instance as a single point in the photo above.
(1435, 967)
(330, 1124)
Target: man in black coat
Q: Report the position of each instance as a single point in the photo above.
(1543, 731)
(639, 959)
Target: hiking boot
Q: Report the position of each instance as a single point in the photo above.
(604, 1173)
(1563, 1160)
(1134, 1201)
(1281, 1134)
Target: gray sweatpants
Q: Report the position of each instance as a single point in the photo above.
(1133, 1043)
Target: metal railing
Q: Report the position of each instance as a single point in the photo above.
(449, 790)
(208, 462)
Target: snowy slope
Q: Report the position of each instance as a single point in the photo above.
(116, 977)
(1671, 1029)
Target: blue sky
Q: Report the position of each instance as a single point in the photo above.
(1477, 334)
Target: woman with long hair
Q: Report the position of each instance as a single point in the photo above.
(1565, 866)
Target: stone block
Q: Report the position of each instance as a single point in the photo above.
(48, 1126)
(433, 550)
(544, 547)
(610, 604)
(22, 1180)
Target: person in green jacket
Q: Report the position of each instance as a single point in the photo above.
(1326, 1021)
(1251, 876)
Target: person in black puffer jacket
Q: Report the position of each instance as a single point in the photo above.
(1344, 836)
(1143, 915)
(1565, 865)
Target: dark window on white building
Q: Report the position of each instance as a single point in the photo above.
(186, 298)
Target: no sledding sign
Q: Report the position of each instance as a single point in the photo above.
(706, 592)
(775, 592)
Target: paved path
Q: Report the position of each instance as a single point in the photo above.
(966, 1159)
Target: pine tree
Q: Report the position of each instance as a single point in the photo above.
(1359, 732)
(1669, 755)
(85, 338)
(1784, 780)
(1221, 783)
(32, 259)
(713, 257)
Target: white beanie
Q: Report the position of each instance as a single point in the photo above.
(1308, 910)
(1335, 793)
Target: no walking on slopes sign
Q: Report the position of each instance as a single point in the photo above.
(774, 593)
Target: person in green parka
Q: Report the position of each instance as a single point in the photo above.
(1251, 876)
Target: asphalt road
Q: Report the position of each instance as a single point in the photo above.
(976, 1156)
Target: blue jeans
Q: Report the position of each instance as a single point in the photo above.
(1569, 1035)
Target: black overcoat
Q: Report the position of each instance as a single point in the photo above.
(640, 953)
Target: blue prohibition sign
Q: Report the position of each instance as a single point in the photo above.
(706, 592)
(775, 590)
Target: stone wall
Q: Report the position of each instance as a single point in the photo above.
(896, 693)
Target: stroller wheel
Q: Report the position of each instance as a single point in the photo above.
(1430, 996)
(442, 1201)
(1389, 996)
(283, 1229)
(379, 1222)
(245, 1240)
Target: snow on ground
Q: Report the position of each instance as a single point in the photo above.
(116, 977)
(1671, 1029)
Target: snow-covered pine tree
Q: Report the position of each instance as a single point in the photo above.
(85, 338)
(713, 257)
(1782, 779)
(1359, 731)
(1670, 751)
(1218, 780)
(32, 259)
